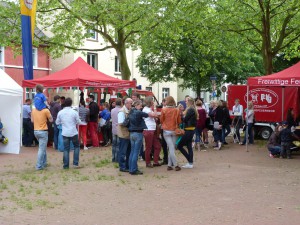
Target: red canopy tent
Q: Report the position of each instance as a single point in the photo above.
(79, 74)
(282, 87)
(287, 77)
(273, 94)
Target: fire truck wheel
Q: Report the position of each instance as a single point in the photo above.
(265, 133)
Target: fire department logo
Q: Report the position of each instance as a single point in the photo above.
(28, 3)
(262, 98)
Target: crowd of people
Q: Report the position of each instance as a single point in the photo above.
(285, 138)
(139, 129)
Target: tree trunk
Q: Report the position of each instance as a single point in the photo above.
(268, 62)
(121, 51)
(198, 90)
(266, 41)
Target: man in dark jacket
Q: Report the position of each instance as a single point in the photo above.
(286, 137)
(93, 123)
(54, 109)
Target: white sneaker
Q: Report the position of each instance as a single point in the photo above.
(188, 166)
(219, 145)
(85, 148)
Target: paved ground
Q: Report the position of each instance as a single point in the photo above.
(230, 186)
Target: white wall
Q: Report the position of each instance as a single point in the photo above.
(73, 94)
(62, 62)
(12, 123)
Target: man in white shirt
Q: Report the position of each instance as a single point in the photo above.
(69, 119)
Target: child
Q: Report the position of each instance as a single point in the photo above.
(40, 101)
(3, 139)
(286, 138)
(1, 127)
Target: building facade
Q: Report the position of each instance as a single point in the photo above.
(107, 62)
(13, 64)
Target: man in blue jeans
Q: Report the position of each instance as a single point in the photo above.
(39, 119)
(136, 127)
(69, 119)
(123, 134)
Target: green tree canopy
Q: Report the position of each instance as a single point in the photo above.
(188, 47)
(67, 22)
(271, 27)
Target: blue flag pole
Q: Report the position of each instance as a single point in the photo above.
(27, 47)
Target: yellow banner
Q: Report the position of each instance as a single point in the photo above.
(28, 8)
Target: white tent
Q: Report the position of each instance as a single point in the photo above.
(11, 96)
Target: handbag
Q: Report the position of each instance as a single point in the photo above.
(179, 132)
(102, 122)
(217, 125)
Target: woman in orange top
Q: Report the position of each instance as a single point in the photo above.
(170, 120)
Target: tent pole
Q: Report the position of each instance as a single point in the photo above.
(282, 106)
(21, 116)
(247, 125)
(78, 98)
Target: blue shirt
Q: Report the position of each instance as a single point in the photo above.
(1, 127)
(69, 119)
(105, 114)
(39, 101)
(26, 111)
